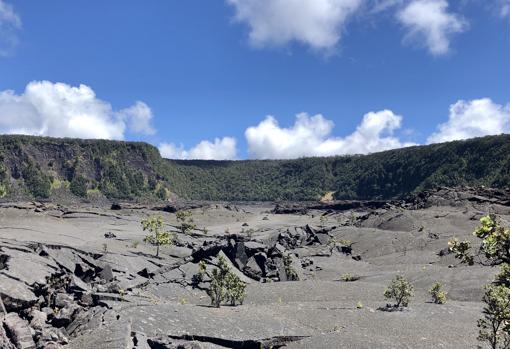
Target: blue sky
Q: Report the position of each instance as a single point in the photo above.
(182, 74)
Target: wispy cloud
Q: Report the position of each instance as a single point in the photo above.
(221, 149)
(430, 24)
(504, 8)
(10, 24)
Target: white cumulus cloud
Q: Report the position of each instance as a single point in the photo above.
(61, 110)
(10, 24)
(316, 23)
(475, 118)
(430, 24)
(139, 118)
(311, 136)
(221, 149)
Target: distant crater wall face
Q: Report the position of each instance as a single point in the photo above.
(44, 167)
(49, 168)
(386, 175)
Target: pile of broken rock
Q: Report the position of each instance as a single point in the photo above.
(45, 289)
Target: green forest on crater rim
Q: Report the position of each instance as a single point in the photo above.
(42, 167)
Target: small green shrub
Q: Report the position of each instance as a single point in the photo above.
(157, 236)
(495, 242)
(56, 184)
(236, 289)
(225, 285)
(186, 220)
(461, 250)
(494, 327)
(437, 293)
(91, 193)
(249, 233)
(400, 290)
(79, 186)
(503, 277)
(162, 192)
(199, 277)
(348, 277)
(323, 220)
(292, 275)
(37, 182)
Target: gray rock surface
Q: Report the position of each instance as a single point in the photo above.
(15, 294)
(5, 341)
(19, 330)
(62, 290)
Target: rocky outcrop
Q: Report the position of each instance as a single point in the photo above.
(446, 196)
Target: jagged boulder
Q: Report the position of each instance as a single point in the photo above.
(38, 319)
(116, 206)
(105, 333)
(51, 337)
(63, 300)
(5, 342)
(19, 330)
(65, 315)
(237, 253)
(109, 235)
(107, 273)
(253, 269)
(209, 249)
(252, 247)
(15, 294)
(233, 268)
(290, 209)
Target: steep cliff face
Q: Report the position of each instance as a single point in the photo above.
(49, 167)
(39, 167)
